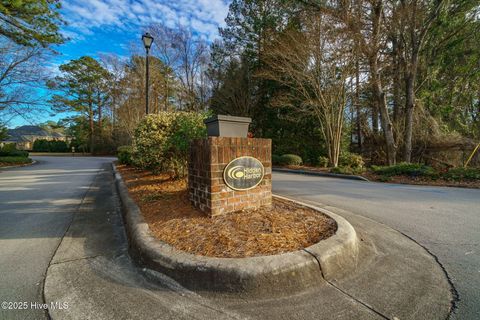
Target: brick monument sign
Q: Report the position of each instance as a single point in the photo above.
(227, 171)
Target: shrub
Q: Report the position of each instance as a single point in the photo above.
(150, 139)
(276, 159)
(7, 149)
(462, 174)
(406, 169)
(18, 153)
(58, 146)
(42, 145)
(290, 160)
(185, 128)
(323, 162)
(351, 160)
(161, 141)
(347, 170)
(10, 150)
(15, 160)
(124, 154)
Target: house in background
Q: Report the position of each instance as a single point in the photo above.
(23, 137)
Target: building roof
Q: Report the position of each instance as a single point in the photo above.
(24, 133)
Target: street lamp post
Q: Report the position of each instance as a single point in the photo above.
(147, 42)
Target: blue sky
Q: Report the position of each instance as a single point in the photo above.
(104, 26)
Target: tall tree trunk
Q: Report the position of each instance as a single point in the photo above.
(410, 77)
(409, 111)
(92, 129)
(396, 79)
(357, 105)
(380, 100)
(381, 105)
(100, 116)
(165, 102)
(375, 124)
(418, 31)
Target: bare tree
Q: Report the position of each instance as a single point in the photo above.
(314, 65)
(187, 55)
(22, 72)
(127, 91)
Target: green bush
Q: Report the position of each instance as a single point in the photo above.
(406, 169)
(161, 141)
(461, 173)
(42, 145)
(149, 140)
(15, 160)
(185, 128)
(7, 149)
(276, 159)
(10, 150)
(347, 170)
(323, 162)
(124, 154)
(18, 153)
(352, 160)
(290, 160)
(58, 146)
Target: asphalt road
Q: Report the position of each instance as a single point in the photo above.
(36, 207)
(37, 204)
(446, 221)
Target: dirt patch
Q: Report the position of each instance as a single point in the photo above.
(165, 206)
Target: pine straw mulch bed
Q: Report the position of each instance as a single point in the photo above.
(165, 206)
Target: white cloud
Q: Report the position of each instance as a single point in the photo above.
(204, 16)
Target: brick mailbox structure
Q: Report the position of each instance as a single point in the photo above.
(213, 162)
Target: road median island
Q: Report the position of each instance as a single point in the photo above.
(94, 274)
(270, 275)
(7, 165)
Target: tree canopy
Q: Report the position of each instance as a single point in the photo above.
(83, 91)
(31, 22)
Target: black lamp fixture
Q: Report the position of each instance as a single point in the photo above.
(147, 42)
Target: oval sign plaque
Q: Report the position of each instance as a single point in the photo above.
(243, 173)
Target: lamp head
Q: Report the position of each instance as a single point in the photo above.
(147, 40)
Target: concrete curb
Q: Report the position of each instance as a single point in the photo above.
(337, 255)
(320, 174)
(20, 165)
(254, 276)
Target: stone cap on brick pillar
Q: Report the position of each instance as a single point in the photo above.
(227, 126)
